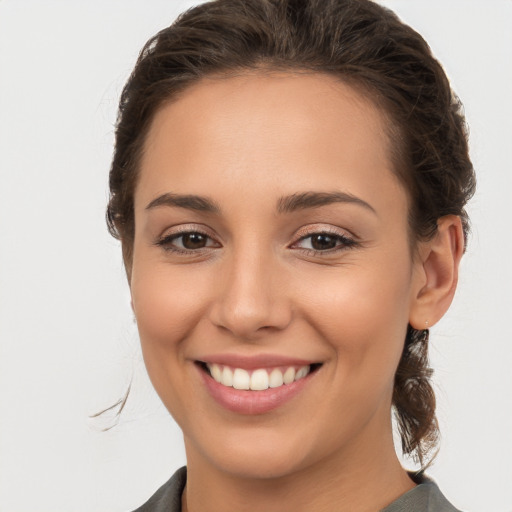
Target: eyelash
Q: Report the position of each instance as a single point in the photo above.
(343, 242)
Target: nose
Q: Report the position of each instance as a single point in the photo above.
(252, 298)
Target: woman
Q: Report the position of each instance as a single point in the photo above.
(288, 185)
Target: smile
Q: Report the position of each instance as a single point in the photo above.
(258, 379)
(260, 387)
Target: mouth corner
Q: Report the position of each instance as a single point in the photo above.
(202, 365)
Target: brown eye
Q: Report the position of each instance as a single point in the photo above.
(194, 240)
(317, 243)
(187, 242)
(322, 242)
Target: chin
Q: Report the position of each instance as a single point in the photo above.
(261, 458)
(261, 466)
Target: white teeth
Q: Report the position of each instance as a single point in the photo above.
(276, 378)
(216, 372)
(227, 377)
(259, 380)
(302, 372)
(289, 375)
(241, 379)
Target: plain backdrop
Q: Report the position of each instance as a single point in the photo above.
(68, 344)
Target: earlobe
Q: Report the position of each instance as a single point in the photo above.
(440, 258)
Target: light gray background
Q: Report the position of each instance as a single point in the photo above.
(68, 344)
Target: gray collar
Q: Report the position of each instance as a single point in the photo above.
(425, 497)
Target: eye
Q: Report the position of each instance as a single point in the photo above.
(193, 242)
(186, 242)
(324, 242)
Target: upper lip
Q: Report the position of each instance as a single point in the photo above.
(255, 361)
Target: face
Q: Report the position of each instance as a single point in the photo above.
(271, 252)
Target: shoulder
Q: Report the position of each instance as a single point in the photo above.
(425, 497)
(168, 497)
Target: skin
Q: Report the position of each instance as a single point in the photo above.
(257, 287)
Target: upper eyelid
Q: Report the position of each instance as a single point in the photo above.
(336, 231)
(187, 228)
(301, 232)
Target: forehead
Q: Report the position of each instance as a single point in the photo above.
(261, 132)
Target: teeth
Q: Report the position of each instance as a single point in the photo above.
(227, 377)
(259, 380)
(302, 372)
(276, 379)
(241, 379)
(216, 372)
(289, 375)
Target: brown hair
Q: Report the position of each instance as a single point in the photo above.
(356, 41)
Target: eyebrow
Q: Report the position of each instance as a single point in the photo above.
(307, 200)
(286, 204)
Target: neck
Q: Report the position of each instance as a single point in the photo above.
(334, 484)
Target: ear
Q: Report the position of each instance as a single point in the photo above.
(437, 273)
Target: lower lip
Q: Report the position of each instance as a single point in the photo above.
(252, 402)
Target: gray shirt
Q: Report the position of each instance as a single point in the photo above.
(425, 497)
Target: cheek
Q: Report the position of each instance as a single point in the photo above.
(362, 316)
(165, 301)
(167, 305)
(362, 311)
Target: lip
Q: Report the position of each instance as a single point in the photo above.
(254, 402)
